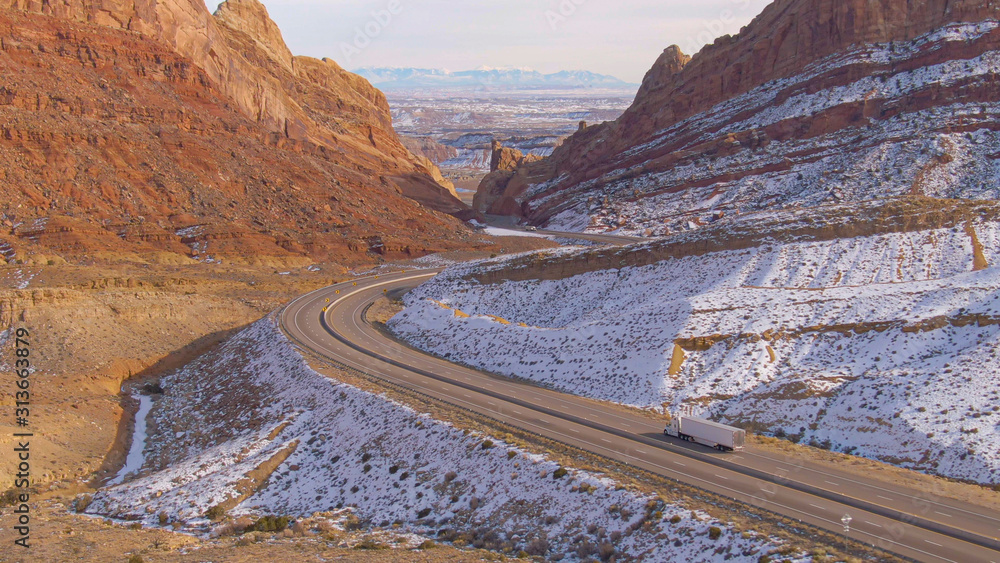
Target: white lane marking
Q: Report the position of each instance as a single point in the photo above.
(679, 463)
(517, 412)
(873, 524)
(883, 498)
(932, 543)
(606, 440)
(642, 451)
(943, 514)
(816, 506)
(574, 430)
(831, 483)
(694, 478)
(295, 322)
(721, 477)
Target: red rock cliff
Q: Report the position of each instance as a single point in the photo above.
(727, 130)
(161, 125)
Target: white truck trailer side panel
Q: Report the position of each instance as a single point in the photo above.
(711, 433)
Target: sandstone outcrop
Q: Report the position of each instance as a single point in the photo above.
(149, 121)
(491, 196)
(813, 102)
(429, 148)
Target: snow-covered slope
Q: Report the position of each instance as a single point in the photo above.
(884, 345)
(253, 428)
(918, 115)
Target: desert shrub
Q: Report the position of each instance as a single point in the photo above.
(605, 551)
(559, 473)
(216, 513)
(299, 528)
(487, 444)
(9, 498)
(352, 523)
(162, 518)
(715, 532)
(82, 502)
(424, 513)
(450, 476)
(269, 524)
(428, 544)
(537, 546)
(135, 559)
(370, 544)
(511, 454)
(585, 549)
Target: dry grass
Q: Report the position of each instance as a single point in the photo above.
(59, 535)
(744, 517)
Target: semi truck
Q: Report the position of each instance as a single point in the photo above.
(712, 434)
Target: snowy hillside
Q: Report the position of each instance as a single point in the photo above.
(883, 345)
(882, 119)
(252, 428)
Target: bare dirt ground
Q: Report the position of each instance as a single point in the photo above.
(96, 330)
(93, 330)
(58, 534)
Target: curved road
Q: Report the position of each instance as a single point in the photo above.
(913, 524)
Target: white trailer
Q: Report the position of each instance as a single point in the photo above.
(712, 434)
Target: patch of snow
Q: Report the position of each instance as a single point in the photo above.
(133, 462)
(255, 397)
(886, 346)
(498, 232)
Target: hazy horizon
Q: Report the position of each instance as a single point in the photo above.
(545, 35)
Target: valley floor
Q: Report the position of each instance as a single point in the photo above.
(883, 346)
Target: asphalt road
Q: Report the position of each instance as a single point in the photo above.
(915, 524)
(510, 223)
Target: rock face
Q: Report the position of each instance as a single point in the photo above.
(429, 148)
(491, 197)
(813, 102)
(176, 130)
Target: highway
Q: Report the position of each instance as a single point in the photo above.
(913, 524)
(510, 223)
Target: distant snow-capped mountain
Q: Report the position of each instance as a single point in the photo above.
(488, 77)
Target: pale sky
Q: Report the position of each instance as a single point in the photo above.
(620, 38)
